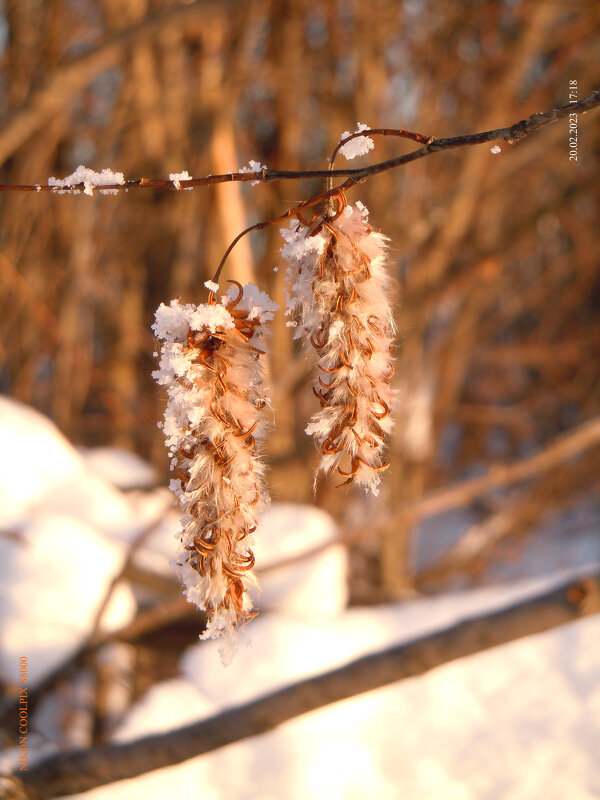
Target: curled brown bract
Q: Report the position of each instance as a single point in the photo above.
(218, 453)
(350, 327)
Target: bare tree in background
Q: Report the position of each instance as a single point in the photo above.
(495, 255)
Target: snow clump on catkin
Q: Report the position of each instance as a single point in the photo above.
(340, 294)
(212, 367)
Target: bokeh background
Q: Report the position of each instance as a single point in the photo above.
(495, 257)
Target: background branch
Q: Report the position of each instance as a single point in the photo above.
(80, 771)
(561, 450)
(566, 447)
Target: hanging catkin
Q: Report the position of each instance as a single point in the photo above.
(213, 425)
(340, 293)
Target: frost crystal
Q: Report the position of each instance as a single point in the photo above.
(359, 146)
(172, 320)
(89, 179)
(177, 177)
(253, 166)
(211, 286)
(259, 304)
(495, 149)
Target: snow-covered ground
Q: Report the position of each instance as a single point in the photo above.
(518, 723)
(521, 721)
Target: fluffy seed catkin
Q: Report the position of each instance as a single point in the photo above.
(340, 292)
(213, 425)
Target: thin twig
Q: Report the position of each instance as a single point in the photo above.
(564, 447)
(513, 133)
(138, 541)
(258, 226)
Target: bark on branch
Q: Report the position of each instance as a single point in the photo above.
(83, 770)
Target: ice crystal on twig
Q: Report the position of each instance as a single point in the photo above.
(340, 292)
(211, 365)
(358, 146)
(253, 166)
(177, 177)
(88, 179)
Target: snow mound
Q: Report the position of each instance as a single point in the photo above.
(45, 472)
(519, 721)
(121, 468)
(315, 585)
(53, 576)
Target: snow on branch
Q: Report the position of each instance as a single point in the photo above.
(350, 146)
(89, 180)
(80, 771)
(510, 134)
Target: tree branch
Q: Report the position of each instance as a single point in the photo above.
(80, 771)
(513, 133)
(564, 447)
(570, 444)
